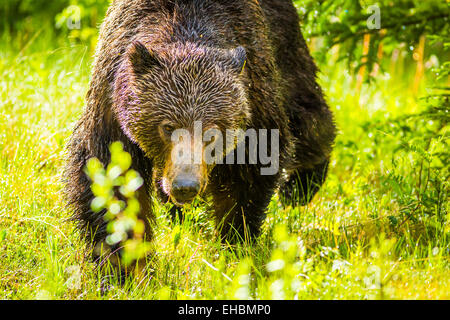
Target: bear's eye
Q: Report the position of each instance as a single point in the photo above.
(167, 129)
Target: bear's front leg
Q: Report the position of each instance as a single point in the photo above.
(87, 143)
(240, 198)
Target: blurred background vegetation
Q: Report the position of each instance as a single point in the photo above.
(379, 228)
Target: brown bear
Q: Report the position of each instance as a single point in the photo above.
(164, 65)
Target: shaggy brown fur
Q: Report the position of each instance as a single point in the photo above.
(228, 63)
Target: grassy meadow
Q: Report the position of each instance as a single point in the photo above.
(378, 229)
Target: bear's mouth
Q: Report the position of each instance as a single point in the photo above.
(178, 203)
(181, 202)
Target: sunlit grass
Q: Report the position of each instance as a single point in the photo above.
(342, 246)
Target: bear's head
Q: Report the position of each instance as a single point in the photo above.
(176, 103)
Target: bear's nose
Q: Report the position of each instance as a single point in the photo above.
(185, 189)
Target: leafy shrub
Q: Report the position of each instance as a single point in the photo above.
(124, 227)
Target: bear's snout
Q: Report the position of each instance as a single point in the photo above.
(185, 189)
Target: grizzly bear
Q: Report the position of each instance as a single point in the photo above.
(164, 65)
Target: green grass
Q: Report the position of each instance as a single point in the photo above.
(377, 229)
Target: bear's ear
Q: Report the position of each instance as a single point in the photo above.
(141, 59)
(239, 59)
